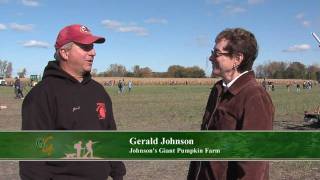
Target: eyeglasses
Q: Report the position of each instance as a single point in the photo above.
(215, 53)
(85, 47)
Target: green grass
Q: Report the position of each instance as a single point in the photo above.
(290, 106)
(160, 107)
(178, 108)
(182, 107)
(172, 107)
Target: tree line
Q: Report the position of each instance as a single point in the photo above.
(176, 71)
(6, 70)
(284, 70)
(118, 70)
(272, 69)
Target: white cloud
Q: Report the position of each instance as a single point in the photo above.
(255, 1)
(306, 23)
(3, 27)
(156, 21)
(140, 31)
(300, 16)
(298, 48)
(111, 24)
(125, 27)
(33, 3)
(202, 41)
(303, 21)
(217, 1)
(36, 44)
(21, 27)
(231, 6)
(234, 9)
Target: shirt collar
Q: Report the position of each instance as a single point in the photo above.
(228, 85)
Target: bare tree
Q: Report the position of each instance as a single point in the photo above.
(312, 71)
(23, 73)
(185, 72)
(3, 67)
(296, 70)
(142, 71)
(94, 72)
(116, 70)
(8, 72)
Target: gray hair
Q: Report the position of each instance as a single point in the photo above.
(67, 47)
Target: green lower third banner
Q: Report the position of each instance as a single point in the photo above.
(119, 145)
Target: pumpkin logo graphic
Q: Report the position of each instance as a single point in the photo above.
(101, 110)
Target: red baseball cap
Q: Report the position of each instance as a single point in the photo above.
(77, 33)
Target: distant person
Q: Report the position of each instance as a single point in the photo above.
(304, 85)
(237, 102)
(264, 83)
(298, 87)
(120, 86)
(309, 85)
(15, 87)
(69, 99)
(288, 87)
(18, 88)
(130, 86)
(123, 86)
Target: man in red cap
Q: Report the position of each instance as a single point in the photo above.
(68, 99)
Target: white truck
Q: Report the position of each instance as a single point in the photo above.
(3, 82)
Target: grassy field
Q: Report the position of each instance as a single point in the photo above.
(179, 108)
(290, 107)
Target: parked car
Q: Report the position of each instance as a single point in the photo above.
(3, 82)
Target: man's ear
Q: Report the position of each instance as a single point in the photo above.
(64, 54)
(239, 58)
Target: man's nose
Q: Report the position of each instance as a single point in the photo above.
(212, 58)
(92, 52)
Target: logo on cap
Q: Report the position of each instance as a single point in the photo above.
(84, 29)
(76, 33)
